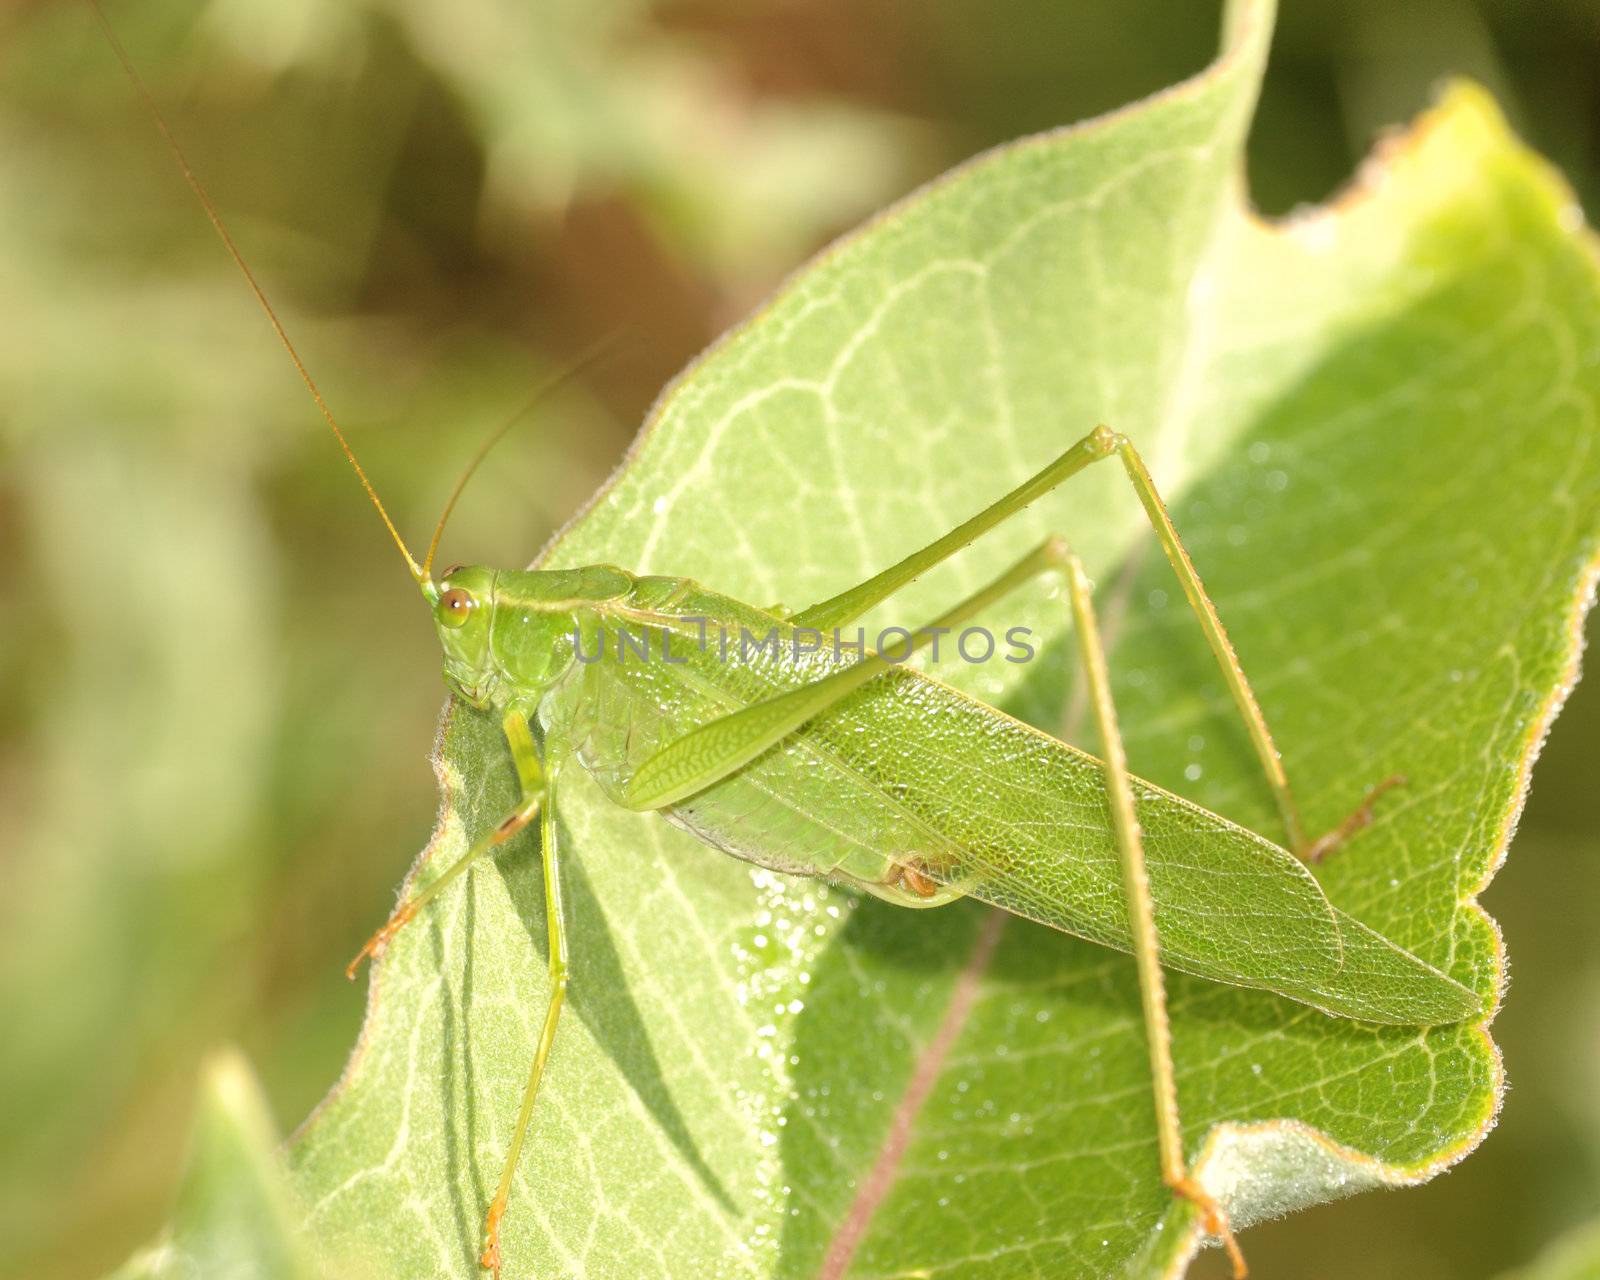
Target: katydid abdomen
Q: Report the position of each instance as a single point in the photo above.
(909, 772)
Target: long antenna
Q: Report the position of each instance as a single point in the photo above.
(198, 188)
(589, 357)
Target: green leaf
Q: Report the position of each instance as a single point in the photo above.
(1376, 427)
(236, 1218)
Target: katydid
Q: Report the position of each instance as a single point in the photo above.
(800, 759)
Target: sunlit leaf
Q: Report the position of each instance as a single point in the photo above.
(1376, 425)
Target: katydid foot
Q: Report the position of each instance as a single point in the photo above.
(1213, 1219)
(374, 945)
(489, 1259)
(1320, 848)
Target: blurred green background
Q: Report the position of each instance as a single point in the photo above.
(216, 686)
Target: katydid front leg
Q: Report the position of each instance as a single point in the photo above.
(537, 783)
(530, 775)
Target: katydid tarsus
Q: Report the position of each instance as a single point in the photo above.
(800, 759)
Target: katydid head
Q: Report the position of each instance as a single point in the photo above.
(463, 613)
(509, 635)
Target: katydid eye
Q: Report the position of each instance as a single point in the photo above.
(454, 607)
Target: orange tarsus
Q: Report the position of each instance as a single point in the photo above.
(489, 1259)
(378, 941)
(1361, 818)
(919, 882)
(912, 876)
(1214, 1220)
(515, 823)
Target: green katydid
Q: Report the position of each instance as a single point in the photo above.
(811, 763)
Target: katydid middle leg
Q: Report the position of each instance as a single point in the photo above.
(714, 750)
(530, 778)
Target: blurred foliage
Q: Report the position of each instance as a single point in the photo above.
(192, 584)
(1575, 1256)
(235, 1216)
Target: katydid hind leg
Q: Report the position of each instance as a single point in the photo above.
(711, 752)
(530, 778)
(726, 744)
(1100, 443)
(850, 604)
(555, 920)
(1227, 659)
(1141, 916)
(1205, 612)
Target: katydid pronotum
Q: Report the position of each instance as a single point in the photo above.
(799, 760)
